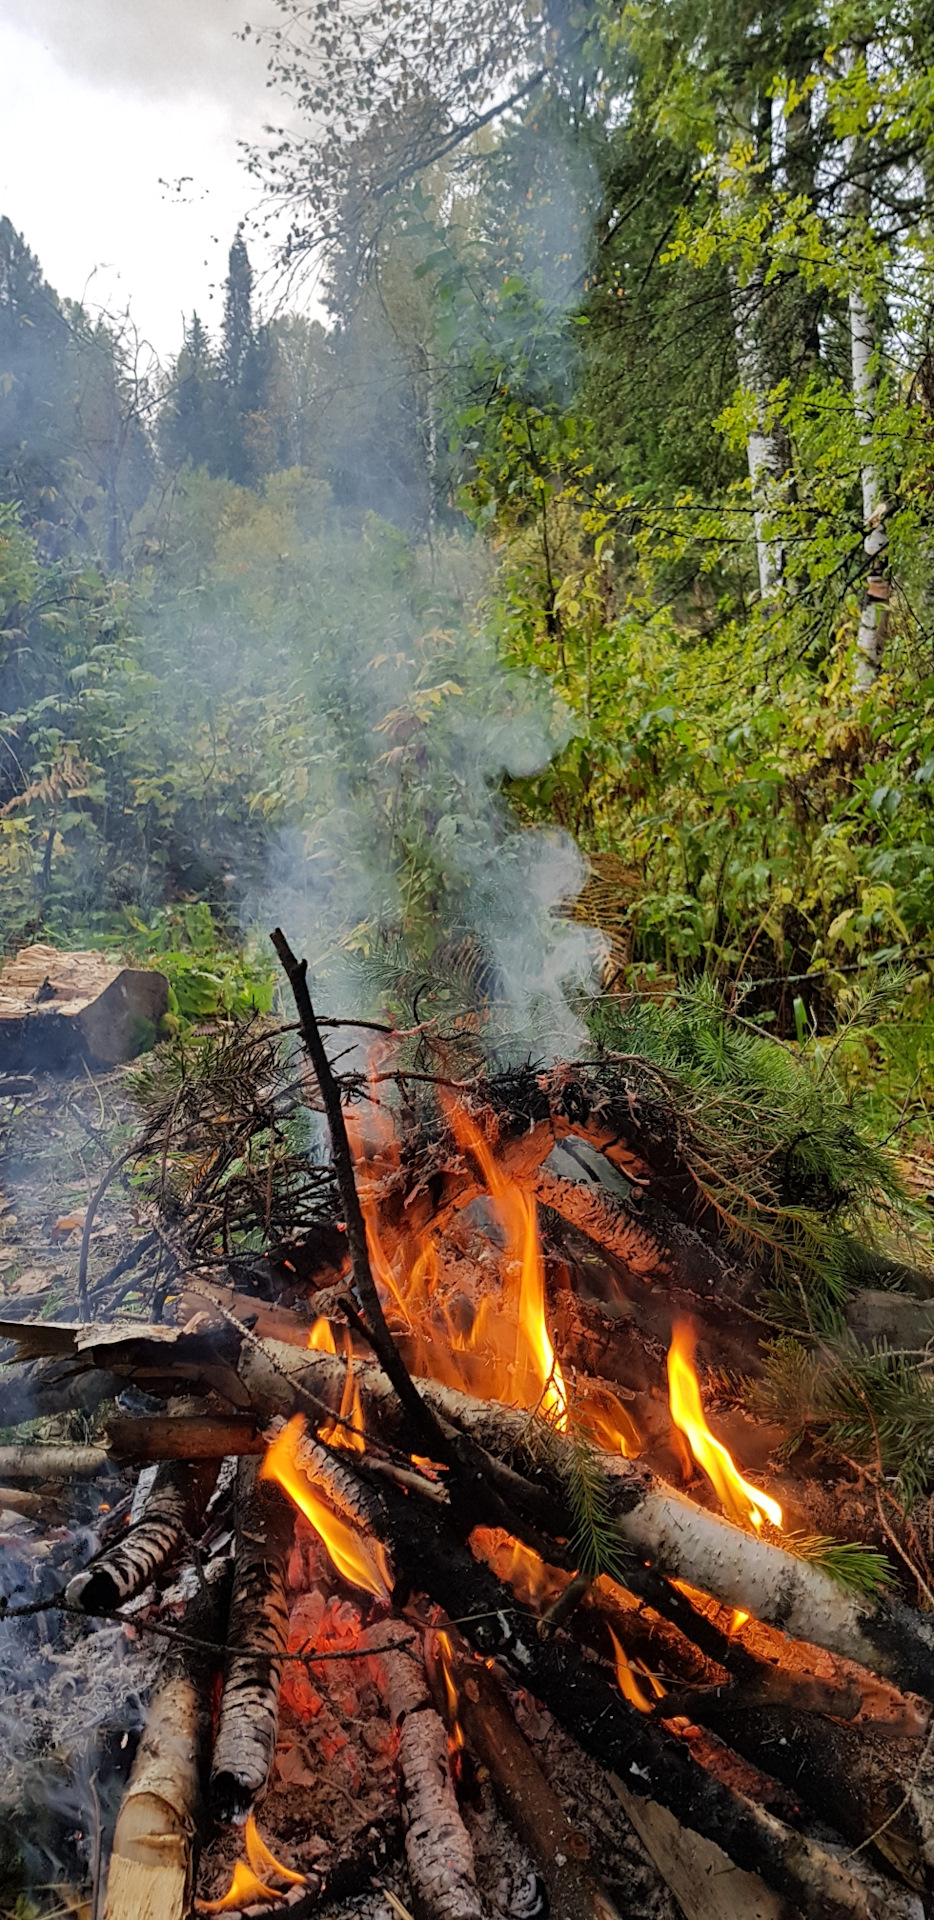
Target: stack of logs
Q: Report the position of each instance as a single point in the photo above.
(795, 1744)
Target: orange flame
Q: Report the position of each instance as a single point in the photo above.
(244, 1887)
(321, 1338)
(263, 1861)
(626, 1680)
(743, 1502)
(455, 1734)
(738, 1620)
(528, 1352)
(339, 1432)
(361, 1561)
(247, 1884)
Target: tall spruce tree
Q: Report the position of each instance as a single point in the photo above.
(188, 425)
(239, 365)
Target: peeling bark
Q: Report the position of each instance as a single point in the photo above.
(438, 1850)
(257, 1639)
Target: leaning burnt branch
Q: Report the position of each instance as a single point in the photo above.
(528, 1801)
(257, 1638)
(297, 972)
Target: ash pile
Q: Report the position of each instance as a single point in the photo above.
(419, 1536)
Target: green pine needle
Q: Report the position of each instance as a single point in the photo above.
(859, 1569)
(595, 1543)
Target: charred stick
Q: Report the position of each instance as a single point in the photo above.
(527, 1799)
(652, 1761)
(431, 1436)
(170, 1517)
(160, 1437)
(438, 1851)
(130, 1153)
(151, 1872)
(257, 1639)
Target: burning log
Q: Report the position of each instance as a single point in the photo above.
(257, 1639)
(151, 1874)
(529, 1803)
(650, 1759)
(170, 1516)
(438, 1851)
(654, 1521)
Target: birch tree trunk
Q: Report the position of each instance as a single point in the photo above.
(873, 620)
(766, 450)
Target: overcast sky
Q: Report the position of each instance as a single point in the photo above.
(105, 100)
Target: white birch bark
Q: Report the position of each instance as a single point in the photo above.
(764, 453)
(873, 620)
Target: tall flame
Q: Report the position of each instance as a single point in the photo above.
(532, 1352)
(744, 1503)
(347, 1429)
(360, 1560)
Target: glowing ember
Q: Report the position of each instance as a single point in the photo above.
(321, 1338)
(739, 1620)
(244, 1888)
(519, 1566)
(626, 1680)
(263, 1861)
(347, 1430)
(743, 1502)
(359, 1560)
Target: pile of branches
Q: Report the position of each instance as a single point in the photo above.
(812, 1770)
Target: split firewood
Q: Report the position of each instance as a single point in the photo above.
(257, 1639)
(438, 1851)
(703, 1879)
(170, 1517)
(151, 1873)
(531, 1806)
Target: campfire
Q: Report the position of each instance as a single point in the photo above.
(431, 1581)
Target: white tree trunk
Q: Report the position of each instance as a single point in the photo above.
(873, 620)
(765, 454)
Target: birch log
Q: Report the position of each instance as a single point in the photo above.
(256, 1644)
(170, 1517)
(152, 1862)
(438, 1851)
